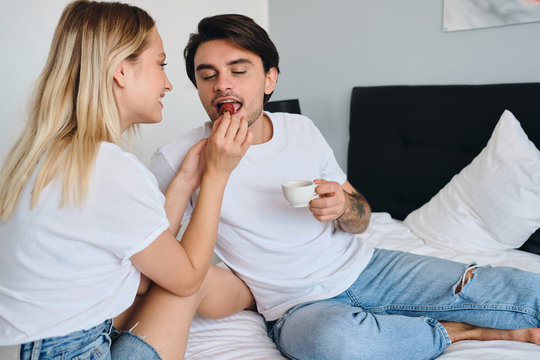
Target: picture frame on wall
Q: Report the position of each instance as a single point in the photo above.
(475, 14)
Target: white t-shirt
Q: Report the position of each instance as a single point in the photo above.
(68, 269)
(283, 254)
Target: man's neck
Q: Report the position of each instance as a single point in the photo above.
(262, 130)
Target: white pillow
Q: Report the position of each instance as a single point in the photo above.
(493, 203)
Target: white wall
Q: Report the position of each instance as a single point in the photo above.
(329, 46)
(26, 29)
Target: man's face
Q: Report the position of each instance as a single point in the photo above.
(226, 72)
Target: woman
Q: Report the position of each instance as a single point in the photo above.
(82, 219)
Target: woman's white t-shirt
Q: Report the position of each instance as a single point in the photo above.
(64, 269)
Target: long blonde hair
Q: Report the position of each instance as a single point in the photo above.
(73, 108)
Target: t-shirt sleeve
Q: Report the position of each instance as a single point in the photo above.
(330, 169)
(162, 170)
(130, 208)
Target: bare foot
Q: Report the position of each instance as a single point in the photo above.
(460, 331)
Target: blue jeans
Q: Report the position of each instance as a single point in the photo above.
(92, 344)
(393, 309)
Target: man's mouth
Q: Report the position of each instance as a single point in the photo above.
(228, 105)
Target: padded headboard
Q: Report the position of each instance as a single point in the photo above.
(406, 142)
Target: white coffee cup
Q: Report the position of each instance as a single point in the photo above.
(299, 192)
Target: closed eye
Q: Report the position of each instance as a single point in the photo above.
(208, 77)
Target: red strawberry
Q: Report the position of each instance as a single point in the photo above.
(227, 107)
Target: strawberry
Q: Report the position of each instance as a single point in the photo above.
(227, 107)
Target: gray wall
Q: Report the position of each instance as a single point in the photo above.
(326, 48)
(329, 46)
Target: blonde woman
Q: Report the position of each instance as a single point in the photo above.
(81, 219)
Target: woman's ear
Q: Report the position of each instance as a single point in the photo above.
(271, 79)
(120, 74)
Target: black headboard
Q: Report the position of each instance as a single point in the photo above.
(406, 142)
(290, 106)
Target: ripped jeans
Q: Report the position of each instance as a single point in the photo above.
(393, 309)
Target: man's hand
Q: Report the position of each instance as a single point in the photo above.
(341, 203)
(331, 203)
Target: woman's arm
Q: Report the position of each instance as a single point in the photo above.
(180, 267)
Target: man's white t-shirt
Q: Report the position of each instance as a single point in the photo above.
(68, 269)
(283, 254)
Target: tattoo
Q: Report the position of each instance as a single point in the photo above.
(356, 203)
(356, 218)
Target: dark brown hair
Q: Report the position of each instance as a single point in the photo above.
(239, 28)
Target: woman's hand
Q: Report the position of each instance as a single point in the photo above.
(192, 167)
(227, 144)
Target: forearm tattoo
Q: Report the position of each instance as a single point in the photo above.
(356, 217)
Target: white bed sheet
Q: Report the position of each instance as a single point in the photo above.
(243, 335)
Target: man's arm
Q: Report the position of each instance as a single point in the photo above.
(355, 218)
(342, 203)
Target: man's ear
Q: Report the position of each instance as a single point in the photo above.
(271, 80)
(120, 73)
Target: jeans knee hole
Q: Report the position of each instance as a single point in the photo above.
(467, 276)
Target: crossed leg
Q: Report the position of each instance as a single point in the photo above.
(163, 319)
(458, 331)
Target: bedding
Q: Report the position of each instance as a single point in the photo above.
(408, 141)
(494, 200)
(243, 335)
(407, 144)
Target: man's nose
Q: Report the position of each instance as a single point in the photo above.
(223, 83)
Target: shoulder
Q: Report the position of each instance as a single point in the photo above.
(295, 125)
(112, 162)
(112, 154)
(290, 120)
(174, 151)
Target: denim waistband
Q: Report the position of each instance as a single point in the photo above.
(74, 340)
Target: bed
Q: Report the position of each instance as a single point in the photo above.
(444, 169)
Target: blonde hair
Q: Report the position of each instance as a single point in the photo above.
(73, 108)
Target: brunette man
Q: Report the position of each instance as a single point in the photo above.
(323, 292)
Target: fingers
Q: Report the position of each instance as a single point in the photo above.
(199, 147)
(234, 126)
(325, 213)
(219, 127)
(227, 143)
(327, 188)
(331, 203)
(247, 142)
(231, 128)
(242, 130)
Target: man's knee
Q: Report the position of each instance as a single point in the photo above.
(329, 332)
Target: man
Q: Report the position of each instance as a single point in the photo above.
(322, 291)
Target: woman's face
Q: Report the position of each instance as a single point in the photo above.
(140, 85)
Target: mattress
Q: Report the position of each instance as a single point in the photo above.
(243, 335)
